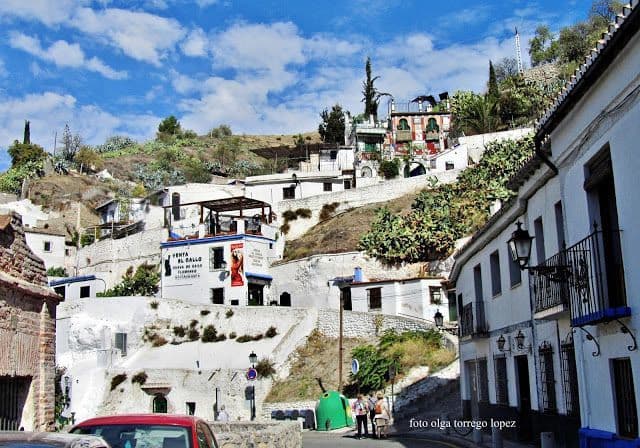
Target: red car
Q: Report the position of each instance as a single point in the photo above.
(150, 431)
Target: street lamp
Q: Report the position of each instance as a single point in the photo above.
(520, 246)
(500, 342)
(253, 358)
(520, 340)
(67, 390)
(439, 319)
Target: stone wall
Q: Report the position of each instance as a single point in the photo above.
(357, 197)
(267, 408)
(257, 435)
(27, 329)
(109, 259)
(357, 324)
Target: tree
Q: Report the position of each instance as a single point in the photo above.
(371, 94)
(222, 131)
(22, 153)
(543, 47)
(87, 158)
(332, 127)
(70, 144)
(169, 126)
(27, 133)
(493, 91)
(505, 69)
(474, 114)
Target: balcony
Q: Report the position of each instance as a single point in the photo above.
(586, 278)
(403, 135)
(469, 327)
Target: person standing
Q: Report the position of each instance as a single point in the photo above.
(371, 401)
(382, 417)
(361, 411)
(223, 415)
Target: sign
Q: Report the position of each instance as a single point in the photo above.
(355, 366)
(252, 374)
(182, 264)
(237, 264)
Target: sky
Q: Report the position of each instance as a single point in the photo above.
(118, 67)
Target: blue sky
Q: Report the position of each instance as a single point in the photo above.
(110, 67)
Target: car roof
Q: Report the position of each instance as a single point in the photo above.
(141, 419)
(55, 438)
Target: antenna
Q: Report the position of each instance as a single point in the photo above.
(518, 53)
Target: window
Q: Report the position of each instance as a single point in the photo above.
(482, 380)
(496, 283)
(559, 224)
(477, 282)
(67, 252)
(547, 378)
(60, 290)
(403, 125)
(47, 246)
(374, 298)
(327, 186)
(285, 299)
(538, 231)
(175, 206)
(433, 164)
(569, 378)
(85, 291)
(217, 296)
(502, 391)
(289, 192)
(216, 258)
(191, 409)
(624, 396)
(345, 297)
(347, 184)
(515, 273)
(333, 155)
(121, 343)
(432, 125)
(453, 309)
(435, 294)
(448, 166)
(159, 404)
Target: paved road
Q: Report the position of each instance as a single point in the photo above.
(324, 440)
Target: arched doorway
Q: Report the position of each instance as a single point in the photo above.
(285, 299)
(159, 404)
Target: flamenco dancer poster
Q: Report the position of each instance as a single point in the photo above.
(237, 264)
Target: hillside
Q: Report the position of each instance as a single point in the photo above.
(342, 232)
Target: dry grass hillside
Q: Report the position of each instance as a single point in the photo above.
(342, 232)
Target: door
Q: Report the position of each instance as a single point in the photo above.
(474, 388)
(524, 397)
(13, 395)
(256, 295)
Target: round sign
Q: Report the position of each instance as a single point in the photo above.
(355, 366)
(252, 374)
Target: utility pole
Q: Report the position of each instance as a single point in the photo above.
(340, 347)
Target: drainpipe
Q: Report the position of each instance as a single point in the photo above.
(540, 149)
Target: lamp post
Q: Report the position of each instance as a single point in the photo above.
(253, 358)
(520, 246)
(520, 340)
(438, 319)
(500, 342)
(392, 376)
(67, 390)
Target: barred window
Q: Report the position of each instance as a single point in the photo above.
(547, 379)
(483, 381)
(625, 398)
(500, 366)
(569, 377)
(374, 296)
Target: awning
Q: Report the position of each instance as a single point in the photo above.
(258, 276)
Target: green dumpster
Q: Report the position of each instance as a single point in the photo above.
(333, 411)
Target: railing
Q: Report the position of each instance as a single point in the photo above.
(588, 276)
(403, 135)
(466, 320)
(469, 327)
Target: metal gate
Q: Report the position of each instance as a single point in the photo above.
(13, 394)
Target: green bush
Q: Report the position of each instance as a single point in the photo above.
(179, 331)
(244, 338)
(118, 380)
(390, 168)
(154, 304)
(57, 272)
(193, 334)
(265, 368)
(232, 335)
(204, 312)
(289, 215)
(271, 332)
(209, 334)
(193, 323)
(327, 210)
(143, 283)
(303, 213)
(229, 313)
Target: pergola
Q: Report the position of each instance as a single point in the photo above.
(239, 204)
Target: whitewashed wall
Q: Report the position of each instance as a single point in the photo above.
(477, 143)
(53, 258)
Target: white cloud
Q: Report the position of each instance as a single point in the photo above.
(259, 46)
(195, 44)
(205, 3)
(3, 70)
(48, 112)
(49, 12)
(62, 54)
(140, 35)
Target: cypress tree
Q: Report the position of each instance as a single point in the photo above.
(493, 83)
(27, 133)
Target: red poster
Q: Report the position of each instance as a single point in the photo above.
(237, 264)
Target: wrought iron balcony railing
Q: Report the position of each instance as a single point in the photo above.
(588, 277)
(403, 135)
(468, 325)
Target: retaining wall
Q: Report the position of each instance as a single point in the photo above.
(257, 435)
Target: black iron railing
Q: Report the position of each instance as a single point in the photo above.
(469, 326)
(466, 320)
(588, 277)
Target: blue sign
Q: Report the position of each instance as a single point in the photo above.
(355, 366)
(252, 374)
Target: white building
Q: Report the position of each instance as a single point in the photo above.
(81, 287)
(558, 351)
(48, 245)
(226, 259)
(274, 188)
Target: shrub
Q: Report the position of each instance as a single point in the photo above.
(265, 368)
(221, 337)
(390, 168)
(193, 323)
(257, 337)
(118, 380)
(232, 335)
(289, 215)
(193, 334)
(303, 213)
(157, 340)
(57, 272)
(154, 304)
(140, 378)
(244, 338)
(209, 334)
(284, 228)
(271, 332)
(143, 283)
(327, 210)
(179, 331)
(229, 313)
(204, 312)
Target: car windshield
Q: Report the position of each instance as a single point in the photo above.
(4, 444)
(140, 436)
